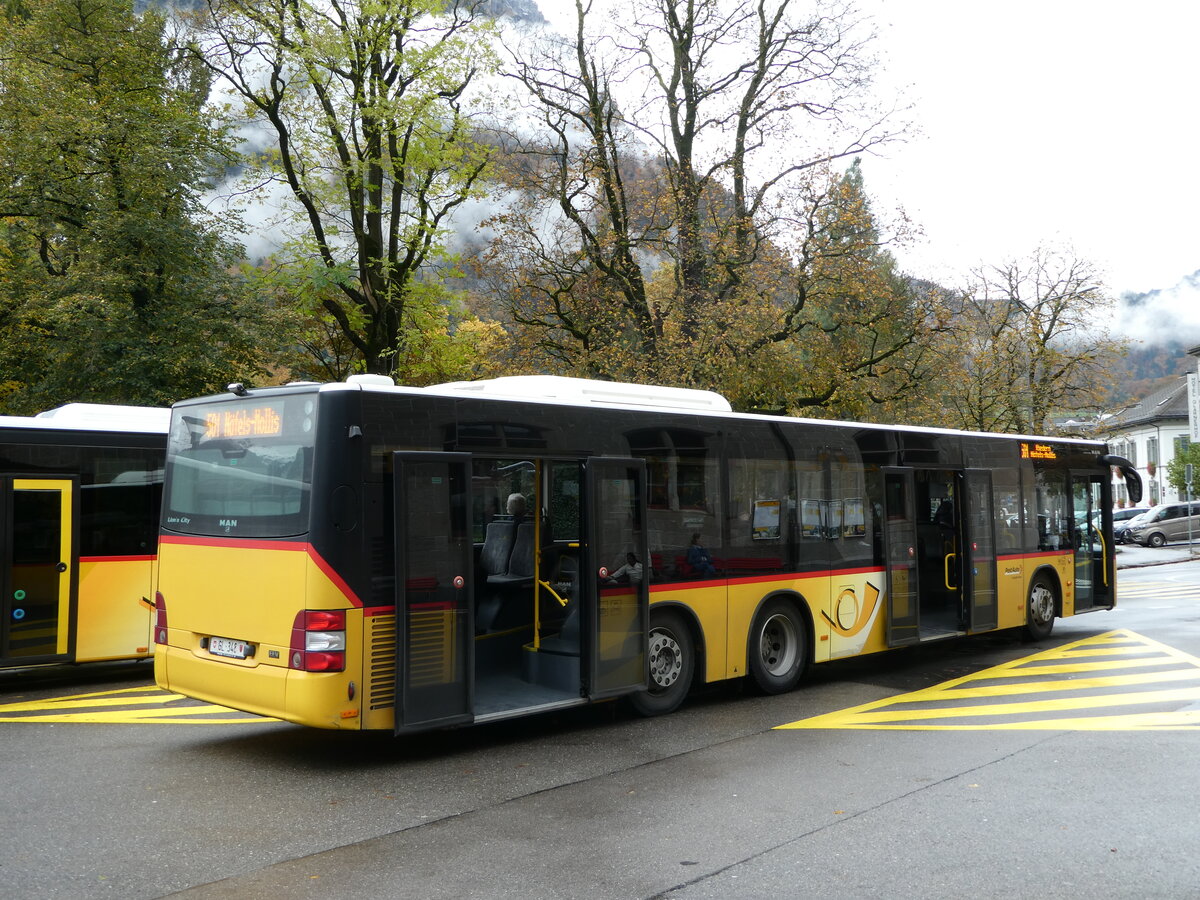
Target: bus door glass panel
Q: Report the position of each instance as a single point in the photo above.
(980, 549)
(559, 556)
(1090, 558)
(900, 551)
(617, 610)
(434, 589)
(37, 580)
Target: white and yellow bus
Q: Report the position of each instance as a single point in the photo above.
(365, 556)
(80, 488)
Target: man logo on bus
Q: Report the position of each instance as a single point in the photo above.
(228, 523)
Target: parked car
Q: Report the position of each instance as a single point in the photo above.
(1165, 523)
(1123, 518)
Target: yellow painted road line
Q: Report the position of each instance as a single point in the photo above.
(899, 711)
(188, 716)
(1075, 684)
(1068, 668)
(145, 705)
(988, 699)
(86, 703)
(1170, 721)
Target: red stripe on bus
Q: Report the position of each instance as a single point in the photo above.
(775, 576)
(245, 543)
(333, 576)
(287, 546)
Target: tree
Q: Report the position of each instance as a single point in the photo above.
(1176, 469)
(115, 284)
(1030, 343)
(849, 335)
(653, 240)
(745, 96)
(366, 106)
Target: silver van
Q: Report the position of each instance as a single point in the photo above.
(1164, 523)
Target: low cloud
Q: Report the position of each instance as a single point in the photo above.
(1169, 315)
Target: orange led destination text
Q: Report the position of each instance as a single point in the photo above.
(261, 420)
(1038, 451)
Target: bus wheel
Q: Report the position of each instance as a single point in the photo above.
(778, 648)
(672, 658)
(1039, 613)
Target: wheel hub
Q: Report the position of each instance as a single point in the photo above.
(1041, 604)
(778, 645)
(666, 659)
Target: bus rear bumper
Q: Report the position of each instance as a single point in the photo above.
(271, 691)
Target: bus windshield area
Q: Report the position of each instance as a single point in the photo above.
(242, 469)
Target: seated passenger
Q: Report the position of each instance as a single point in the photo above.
(699, 559)
(516, 506)
(631, 571)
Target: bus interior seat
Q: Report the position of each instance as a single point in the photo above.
(519, 568)
(497, 546)
(505, 604)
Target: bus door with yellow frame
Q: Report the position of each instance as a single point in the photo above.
(39, 576)
(616, 610)
(434, 590)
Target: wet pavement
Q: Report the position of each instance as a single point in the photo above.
(1133, 556)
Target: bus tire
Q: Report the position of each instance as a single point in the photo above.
(1039, 609)
(778, 647)
(1158, 539)
(671, 654)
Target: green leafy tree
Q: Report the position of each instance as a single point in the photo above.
(367, 107)
(844, 333)
(116, 284)
(1176, 470)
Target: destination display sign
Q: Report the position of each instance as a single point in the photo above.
(263, 420)
(1037, 451)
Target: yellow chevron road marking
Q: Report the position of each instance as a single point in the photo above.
(139, 705)
(1089, 685)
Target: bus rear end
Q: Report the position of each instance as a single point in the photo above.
(247, 613)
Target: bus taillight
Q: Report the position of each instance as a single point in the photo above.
(319, 640)
(160, 618)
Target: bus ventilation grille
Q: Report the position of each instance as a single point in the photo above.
(383, 662)
(432, 658)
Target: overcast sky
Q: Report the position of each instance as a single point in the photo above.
(1050, 119)
(1067, 121)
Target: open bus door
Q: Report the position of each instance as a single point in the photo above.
(38, 569)
(434, 590)
(939, 541)
(900, 550)
(617, 613)
(979, 550)
(1093, 560)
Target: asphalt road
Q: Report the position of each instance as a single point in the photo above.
(714, 801)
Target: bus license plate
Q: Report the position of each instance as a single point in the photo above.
(226, 647)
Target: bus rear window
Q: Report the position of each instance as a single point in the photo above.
(241, 468)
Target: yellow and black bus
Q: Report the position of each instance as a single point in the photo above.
(365, 556)
(80, 488)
